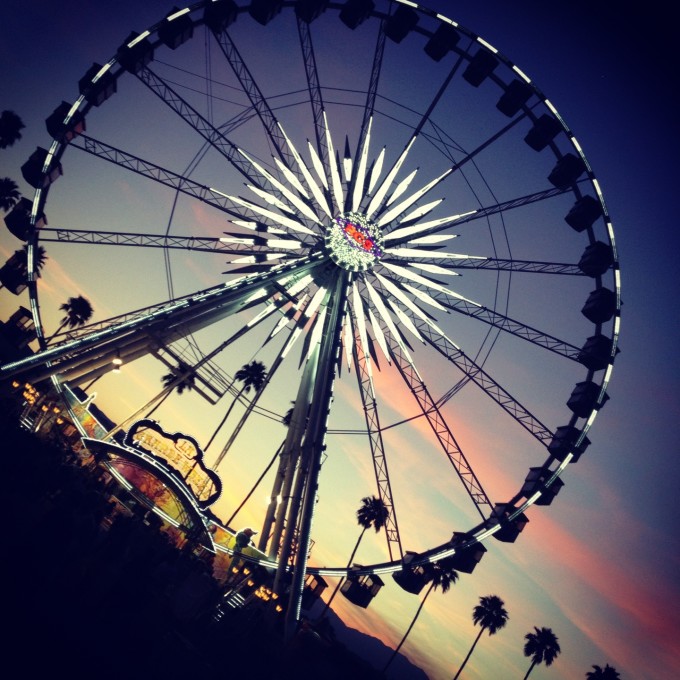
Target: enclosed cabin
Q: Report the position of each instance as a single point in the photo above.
(566, 171)
(586, 397)
(443, 40)
(18, 220)
(361, 589)
(568, 440)
(510, 529)
(481, 66)
(16, 333)
(596, 353)
(413, 577)
(65, 122)
(355, 12)
(313, 588)
(263, 11)
(13, 274)
(542, 133)
(468, 554)
(40, 170)
(535, 483)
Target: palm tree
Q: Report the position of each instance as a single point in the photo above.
(252, 375)
(372, 513)
(541, 646)
(180, 379)
(288, 416)
(491, 615)
(443, 576)
(77, 312)
(10, 128)
(9, 194)
(606, 673)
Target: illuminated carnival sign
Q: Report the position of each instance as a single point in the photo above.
(181, 454)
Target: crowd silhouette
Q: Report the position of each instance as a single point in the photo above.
(95, 592)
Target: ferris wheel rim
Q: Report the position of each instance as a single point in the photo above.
(82, 106)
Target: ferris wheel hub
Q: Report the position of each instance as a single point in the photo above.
(353, 242)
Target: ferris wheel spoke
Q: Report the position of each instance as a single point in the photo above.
(246, 213)
(397, 214)
(355, 174)
(324, 153)
(442, 298)
(374, 431)
(437, 339)
(253, 172)
(405, 233)
(169, 321)
(405, 366)
(377, 206)
(507, 324)
(195, 120)
(264, 111)
(448, 263)
(230, 244)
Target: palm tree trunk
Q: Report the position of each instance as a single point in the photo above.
(531, 668)
(257, 483)
(224, 420)
(239, 426)
(162, 396)
(469, 654)
(61, 325)
(168, 388)
(408, 630)
(153, 410)
(342, 580)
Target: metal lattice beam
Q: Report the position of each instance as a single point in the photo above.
(168, 178)
(374, 431)
(495, 319)
(256, 98)
(436, 421)
(487, 211)
(174, 320)
(203, 244)
(495, 264)
(505, 400)
(315, 96)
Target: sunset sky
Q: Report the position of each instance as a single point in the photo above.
(600, 565)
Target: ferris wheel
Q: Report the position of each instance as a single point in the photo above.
(380, 206)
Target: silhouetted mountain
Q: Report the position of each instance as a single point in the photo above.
(373, 650)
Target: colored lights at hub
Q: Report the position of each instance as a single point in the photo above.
(353, 242)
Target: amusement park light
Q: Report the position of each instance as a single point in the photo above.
(117, 363)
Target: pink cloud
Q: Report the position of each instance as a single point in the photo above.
(642, 606)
